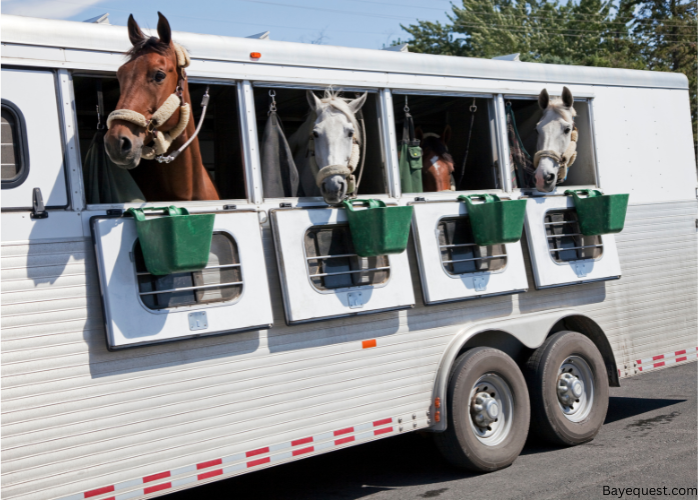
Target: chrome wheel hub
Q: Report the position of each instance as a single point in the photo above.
(485, 410)
(575, 388)
(491, 409)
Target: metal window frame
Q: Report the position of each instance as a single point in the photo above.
(552, 251)
(19, 139)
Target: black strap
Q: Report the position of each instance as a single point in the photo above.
(409, 133)
(472, 109)
(100, 104)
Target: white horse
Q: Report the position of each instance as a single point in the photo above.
(556, 142)
(333, 133)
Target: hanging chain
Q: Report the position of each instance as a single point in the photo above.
(273, 103)
(472, 110)
(406, 109)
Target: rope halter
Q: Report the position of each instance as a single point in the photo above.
(564, 160)
(346, 170)
(161, 140)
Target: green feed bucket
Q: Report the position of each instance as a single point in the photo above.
(495, 221)
(378, 230)
(598, 213)
(177, 243)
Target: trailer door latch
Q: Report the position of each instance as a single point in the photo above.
(38, 208)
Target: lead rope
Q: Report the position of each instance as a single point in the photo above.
(205, 104)
(472, 110)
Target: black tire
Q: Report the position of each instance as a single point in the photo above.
(542, 372)
(460, 444)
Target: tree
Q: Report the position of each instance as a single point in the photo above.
(635, 34)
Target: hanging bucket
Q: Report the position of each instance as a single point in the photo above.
(378, 230)
(598, 213)
(495, 221)
(177, 243)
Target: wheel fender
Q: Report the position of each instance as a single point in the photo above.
(531, 330)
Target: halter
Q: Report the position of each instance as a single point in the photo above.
(161, 140)
(346, 170)
(564, 160)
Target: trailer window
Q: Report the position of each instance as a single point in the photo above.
(564, 238)
(332, 262)
(220, 281)
(459, 253)
(15, 158)
(294, 113)
(452, 159)
(219, 140)
(527, 113)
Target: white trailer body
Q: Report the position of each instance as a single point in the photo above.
(289, 370)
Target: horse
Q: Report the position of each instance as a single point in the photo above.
(149, 82)
(327, 146)
(556, 141)
(438, 164)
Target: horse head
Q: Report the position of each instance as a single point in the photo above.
(438, 164)
(153, 74)
(336, 139)
(556, 141)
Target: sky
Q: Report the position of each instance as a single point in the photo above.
(370, 24)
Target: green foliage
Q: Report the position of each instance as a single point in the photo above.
(636, 34)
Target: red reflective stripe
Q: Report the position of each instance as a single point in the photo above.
(382, 422)
(258, 462)
(660, 356)
(639, 361)
(640, 368)
(257, 452)
(344, 440)
(684, 358)
(679, 352)
(209, 474)
(302, 451)
(155, 477)
(383, 431)
(211, 463)
(152, 489)
(344, 431)
(98, 491)
(302, 441)
(656, 365)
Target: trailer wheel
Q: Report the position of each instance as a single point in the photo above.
(568, 389)
(489, 411)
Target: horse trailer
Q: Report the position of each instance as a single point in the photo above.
(119, 382)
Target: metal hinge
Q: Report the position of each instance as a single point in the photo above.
(38, 208)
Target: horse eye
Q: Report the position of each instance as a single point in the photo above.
(567, 130)
(315, 134)
(160, 76)
(351, 133)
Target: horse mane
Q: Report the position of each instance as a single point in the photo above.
(151, 43)
(341, 104)
(558, 106)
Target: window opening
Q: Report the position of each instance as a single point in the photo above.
(459, 253)
(220, 281)
(220, 142)
(454, 132)
(564, 238)
(15, 158)
(527, 114)
(332, 262)
(284, 131)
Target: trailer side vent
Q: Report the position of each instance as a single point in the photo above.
(564, 238)
(459, 253)
(220, 281)
(332, 262)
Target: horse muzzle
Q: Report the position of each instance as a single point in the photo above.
(123, 147)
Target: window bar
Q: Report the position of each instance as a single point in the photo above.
(222, 266)
(184, 289)
(486, 257)
(457, 245)
(562, 222)
(564, 235)
(575, 248)
(338, 256)
(320, 275)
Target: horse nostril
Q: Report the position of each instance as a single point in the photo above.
(549, 179)
(125, 144)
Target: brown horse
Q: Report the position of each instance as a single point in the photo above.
(146, 80)
(438, 164)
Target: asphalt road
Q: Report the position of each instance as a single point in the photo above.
(650, 439)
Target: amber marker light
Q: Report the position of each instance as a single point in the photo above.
(366, 344)
(437, 402)
(255, 55)
(437, 416)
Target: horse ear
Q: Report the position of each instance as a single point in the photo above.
(357, 104)
(543, 99)
(135, 33)
(164, 32)
(314, 102)
(419, 133)
(446, 135)
(567, 97)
